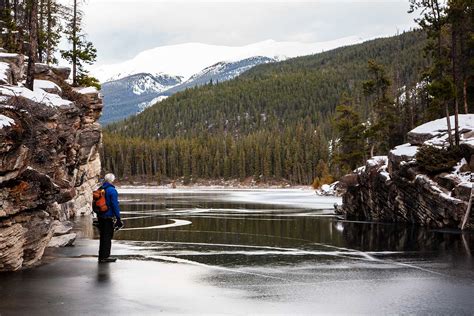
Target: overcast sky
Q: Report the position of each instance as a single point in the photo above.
(122, 28)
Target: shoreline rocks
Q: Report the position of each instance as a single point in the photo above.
(393, 188)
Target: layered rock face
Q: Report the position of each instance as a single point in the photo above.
(49, 158)
(393, 188)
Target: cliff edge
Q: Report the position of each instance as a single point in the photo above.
(395, 188)
(49, 157)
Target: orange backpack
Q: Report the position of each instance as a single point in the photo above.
(99, 202)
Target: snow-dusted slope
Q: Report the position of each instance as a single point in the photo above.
(133, 94)
(220, 72)
(123, 97)
(188, 59)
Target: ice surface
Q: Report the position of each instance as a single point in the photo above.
(6, 121)
(300, 198)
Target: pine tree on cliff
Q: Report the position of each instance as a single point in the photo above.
(464, 21)
(382, 117)
(82, 51)
(459, 16)
(444, 23)
(350, 148)
(9, 26)
(49, 30)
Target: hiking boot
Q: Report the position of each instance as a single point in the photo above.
(105, 260)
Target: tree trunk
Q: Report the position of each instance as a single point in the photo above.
(74, 45)
(40, 29)
(450, 132)
(468, 211)
(456, 84)
(48, 32)
(466, 108)
(33, 17)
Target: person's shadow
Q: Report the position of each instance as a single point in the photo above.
(103, 273)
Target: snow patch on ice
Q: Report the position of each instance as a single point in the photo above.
(328, 189)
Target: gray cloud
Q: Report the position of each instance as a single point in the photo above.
(121, 29)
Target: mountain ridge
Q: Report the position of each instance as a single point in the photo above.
(131, 95)
(189, 58)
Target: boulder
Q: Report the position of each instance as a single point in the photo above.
(61, 228)
(62, 72)
(17, 65)
(463, 191)
(401, 192)
(62, 241)
(41, 69)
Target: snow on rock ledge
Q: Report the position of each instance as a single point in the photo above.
(398, 191)
(436, 132)
(38, 96)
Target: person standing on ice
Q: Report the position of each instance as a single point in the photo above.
(109, 220)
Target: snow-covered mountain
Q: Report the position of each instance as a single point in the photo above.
(188, 59)
(122, 97)
(131, 86)
(220, 72)
(133, 94)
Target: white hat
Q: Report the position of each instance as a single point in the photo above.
(109, 177)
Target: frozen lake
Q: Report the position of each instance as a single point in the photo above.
(201, 251)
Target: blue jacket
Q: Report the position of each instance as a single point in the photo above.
(111, 197)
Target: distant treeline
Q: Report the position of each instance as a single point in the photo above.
(291, 154)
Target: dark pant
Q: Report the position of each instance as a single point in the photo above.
(106, 229)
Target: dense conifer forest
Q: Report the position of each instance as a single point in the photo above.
(279, 121)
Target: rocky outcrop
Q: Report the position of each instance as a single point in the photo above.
(49, 159)
(393, 188)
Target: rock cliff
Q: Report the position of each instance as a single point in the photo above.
(49, 157)
(394, 188)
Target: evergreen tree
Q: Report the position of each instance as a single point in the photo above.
(50, 30)
(350, 147)
(82, 52)
(382, 109)
(450, 31)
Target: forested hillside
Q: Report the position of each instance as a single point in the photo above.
(274, 121)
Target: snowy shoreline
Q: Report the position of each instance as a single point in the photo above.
(289, 197)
